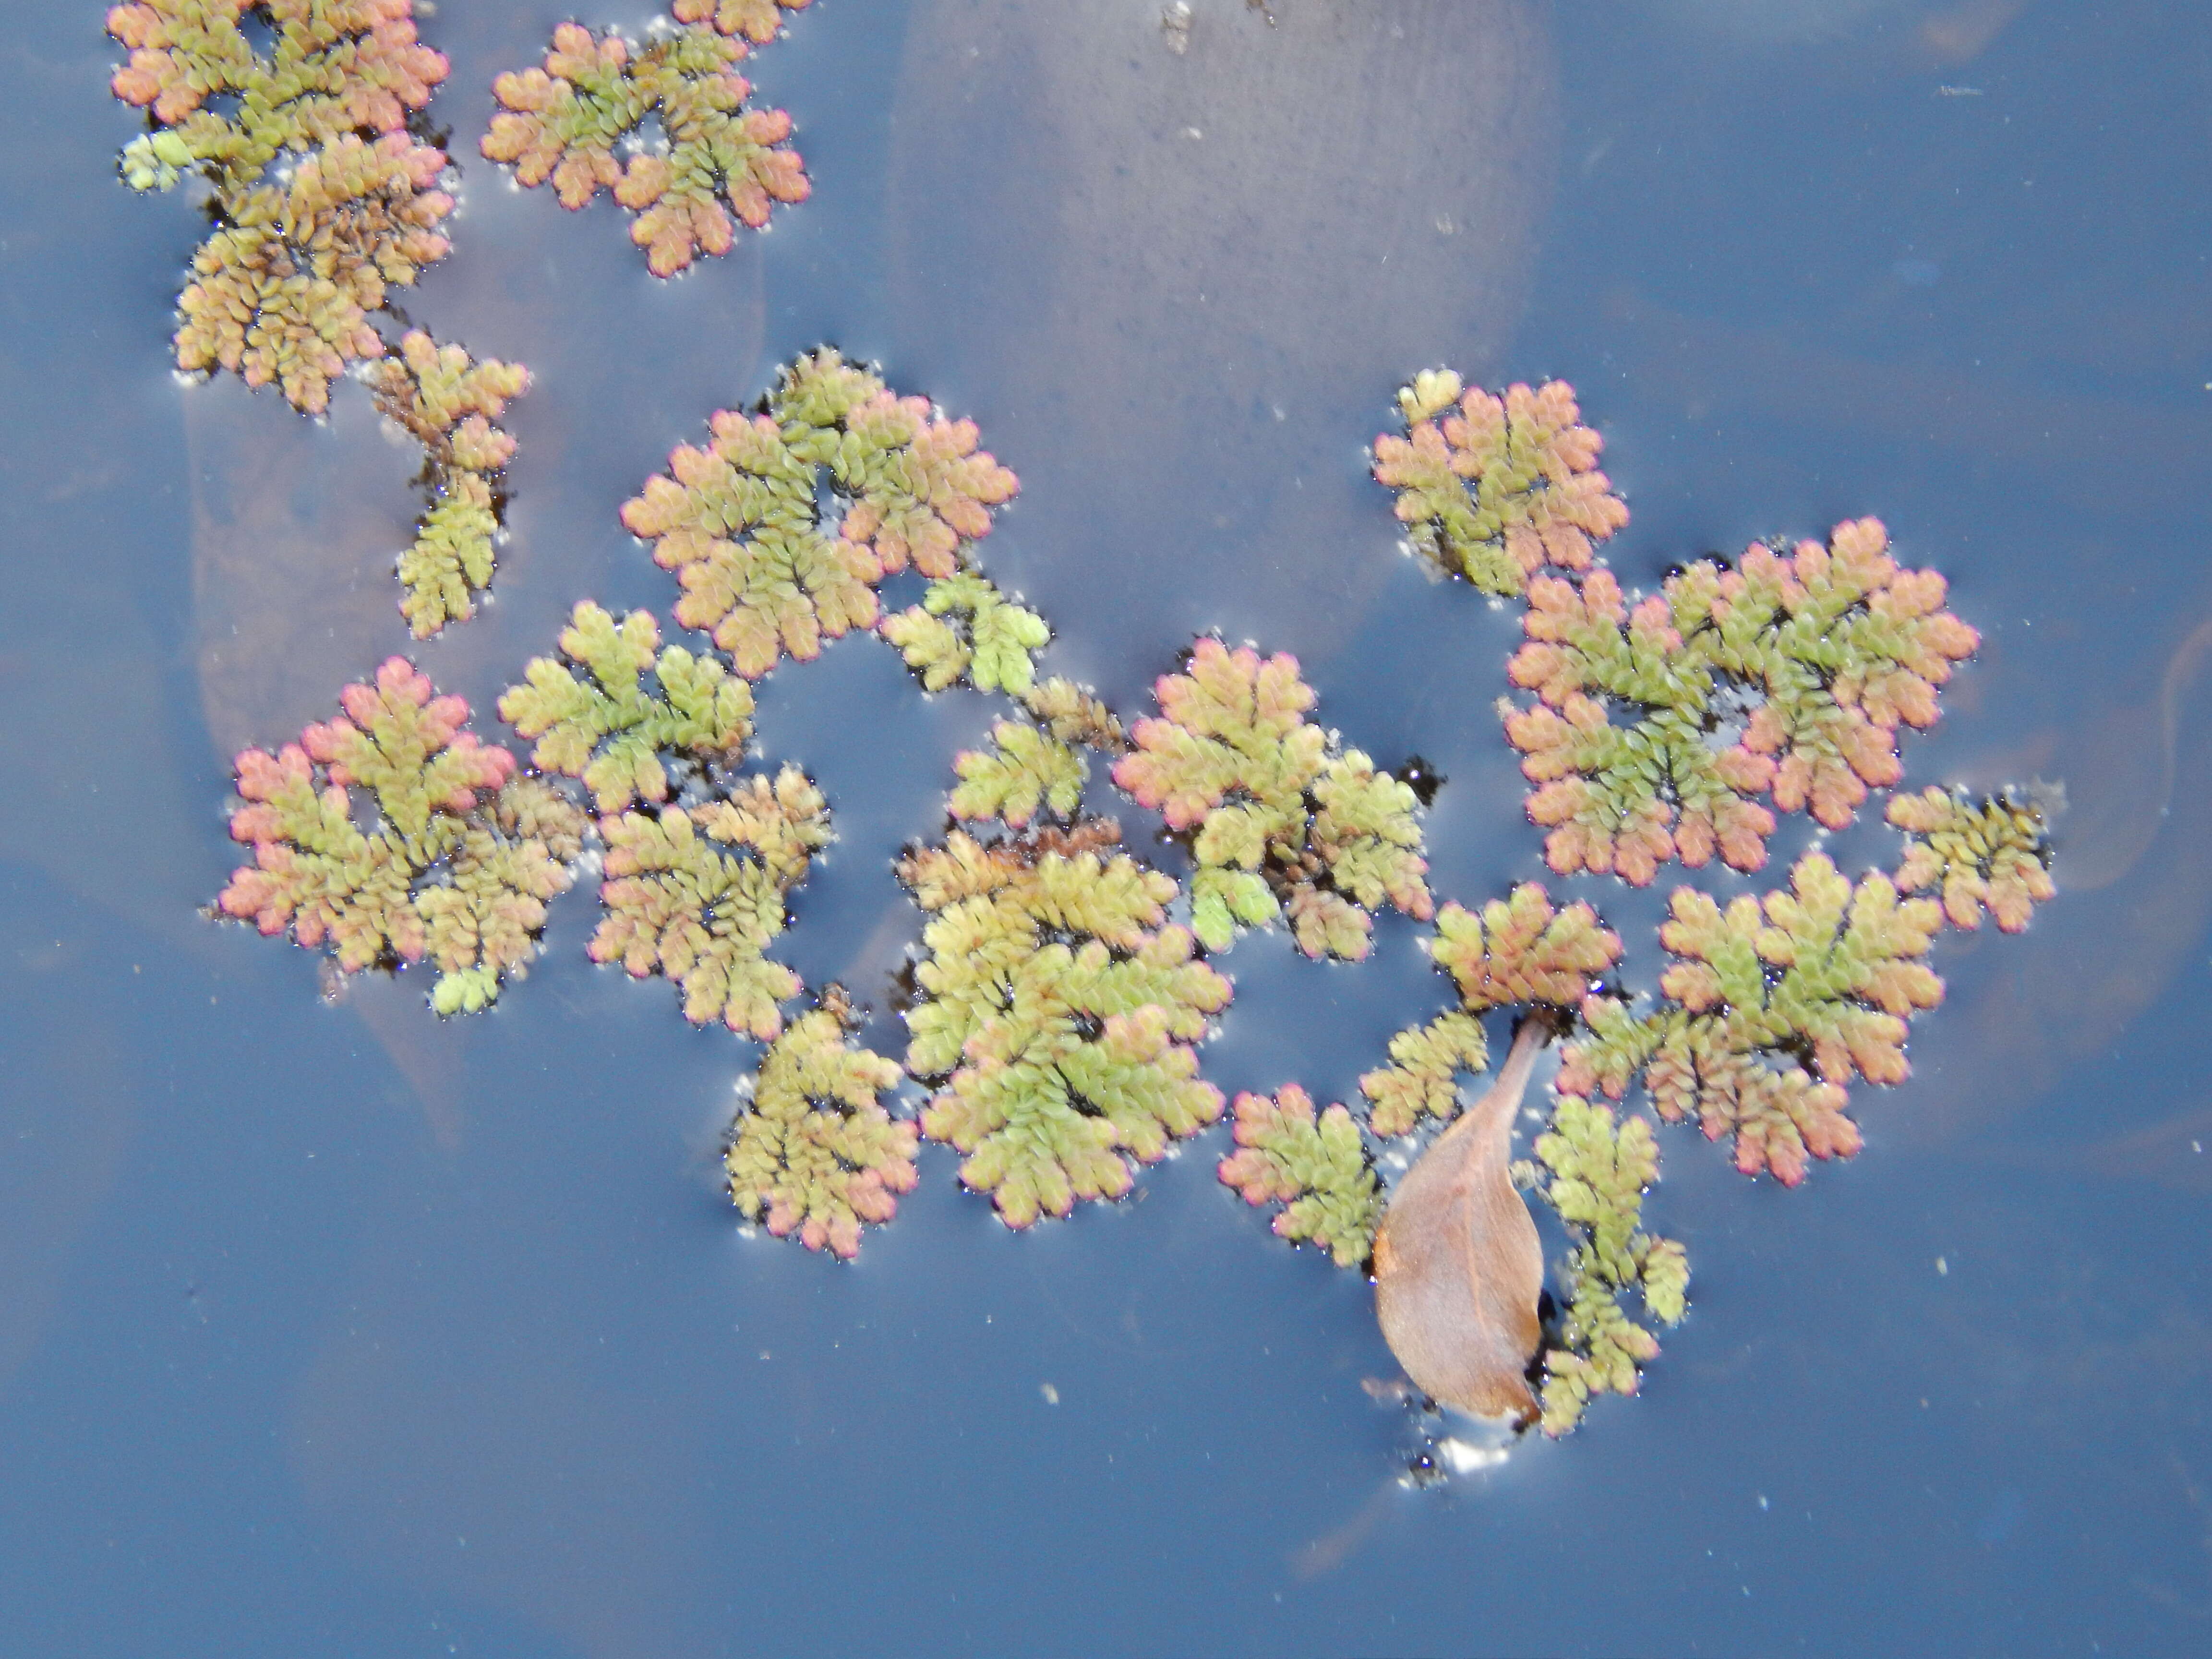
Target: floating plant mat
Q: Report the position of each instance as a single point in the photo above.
(1065, 985)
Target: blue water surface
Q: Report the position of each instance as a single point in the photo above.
(326, 1328)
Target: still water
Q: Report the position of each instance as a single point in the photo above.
(326, 1328)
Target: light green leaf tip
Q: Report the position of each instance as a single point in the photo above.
(468, 991)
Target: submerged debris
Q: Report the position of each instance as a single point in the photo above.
(1174, 26)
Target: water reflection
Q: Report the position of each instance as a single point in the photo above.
(1172, 263)
(59, 1168)
(2138, 831)
(296, 527)
(477, 1443)
(1952, 30)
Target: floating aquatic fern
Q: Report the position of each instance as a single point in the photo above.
(1832, 647)
(1769, 1011)
(323, 201)
(1058, 1014)
(813, 1151)
(283, 289)
(1056, 1008)
(1283, 824)
(1825, 966)
(1495, 489)
(335, 68)
(757, 21)
(740, 524)
(1516, 953)
(1595, 1172)
(1993, 851)
(456, 866)
(1026, 773)
(1671, 725)
(594, 718)
(1839, 646)
(448, 402)
(697, 894)
(1316, 1168)
(1036, 767)
(567, 120)
(965, 631)
(1625, 796)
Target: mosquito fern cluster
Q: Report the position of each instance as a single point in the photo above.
(324, 195)
(456, 864)
(566, 120)
(1283, 823)
(740, 521)
(1062, 985)
(1679, 726)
